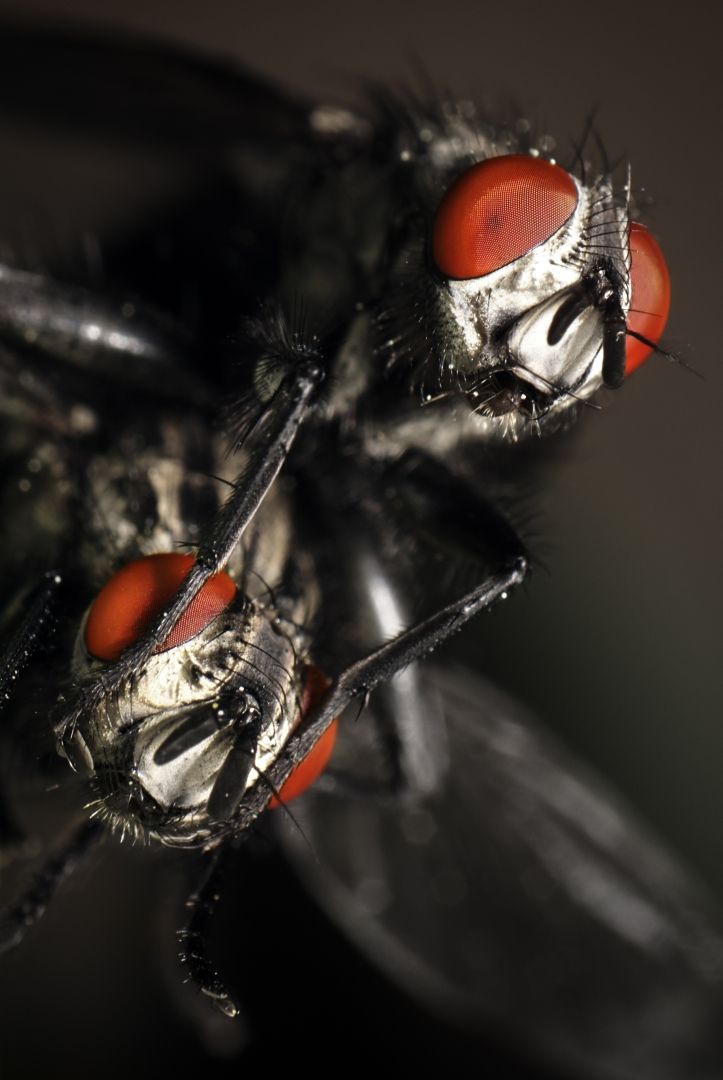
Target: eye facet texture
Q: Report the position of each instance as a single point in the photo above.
(650, 295)
(136, 595)
(498, 211)
(313, 765)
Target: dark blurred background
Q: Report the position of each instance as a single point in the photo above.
(618, 644)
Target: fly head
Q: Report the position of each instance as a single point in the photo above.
(172, 751)
(518, 288)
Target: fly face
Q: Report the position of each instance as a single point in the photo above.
(530, 290)
(173, 752)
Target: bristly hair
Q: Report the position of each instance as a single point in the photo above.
(271, 345)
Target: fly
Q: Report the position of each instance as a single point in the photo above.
(392, 304)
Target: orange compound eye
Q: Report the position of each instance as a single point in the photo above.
(499, 210)
(313, 765)
(649, 295)
(308, 770)
(128, 603)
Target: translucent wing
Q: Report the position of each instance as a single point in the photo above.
(523, 898)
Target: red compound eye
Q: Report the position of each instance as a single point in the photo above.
(649, 295)
(137, 594)
(499, 210)
(313, 765)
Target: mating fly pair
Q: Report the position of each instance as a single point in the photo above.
(390, 307)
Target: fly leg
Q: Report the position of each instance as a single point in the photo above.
(194, 937)
(267, 447)
(30, 634)
(410, 645)
(375, 566)
(404, 721)
(407, 647)
(20, 916)
(380, 666)
(27, 637)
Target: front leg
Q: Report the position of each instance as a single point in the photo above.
(464, 522)
(28, 909)
(267, 445)
(375, 570)
(31, 633)
(194, 940)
